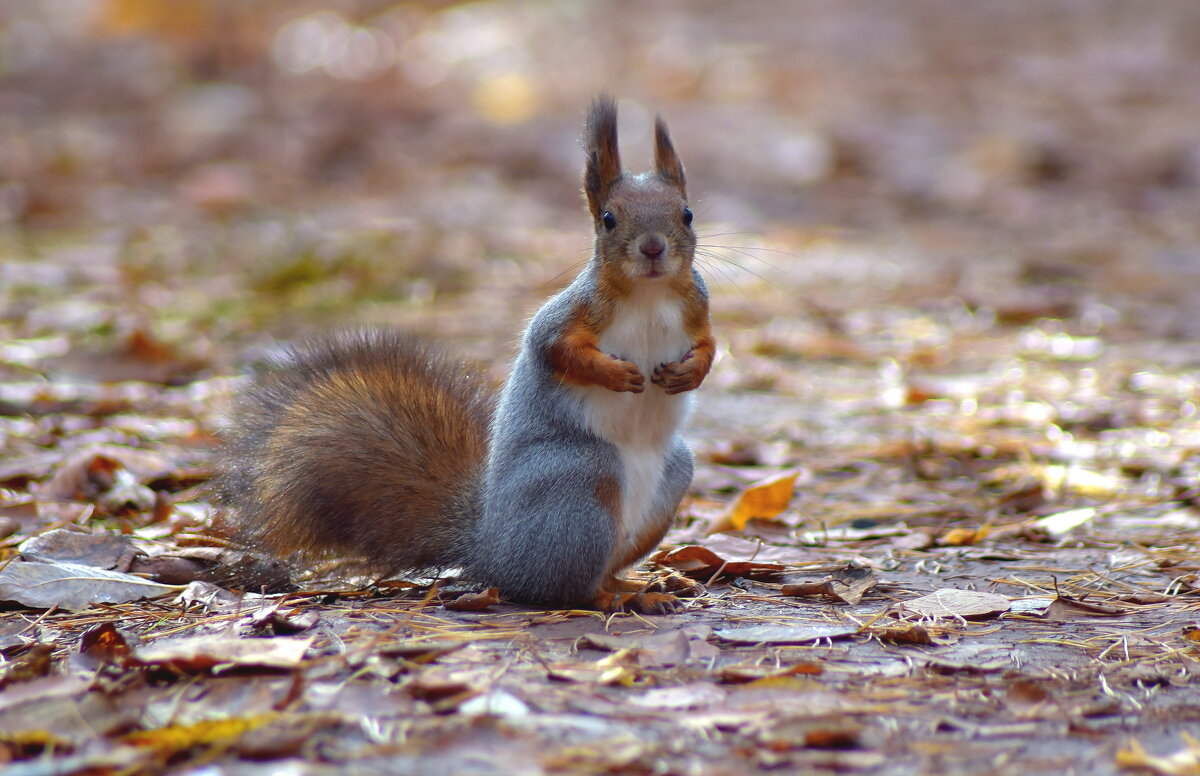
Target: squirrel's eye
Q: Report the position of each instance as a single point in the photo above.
(687, 216)
(609, 220)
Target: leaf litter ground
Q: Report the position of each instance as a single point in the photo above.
(946, 504)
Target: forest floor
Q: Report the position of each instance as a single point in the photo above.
(956, 285)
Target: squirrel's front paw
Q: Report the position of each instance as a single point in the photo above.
(679, 376)
(626, 377)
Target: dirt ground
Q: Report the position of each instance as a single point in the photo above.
(953, 254)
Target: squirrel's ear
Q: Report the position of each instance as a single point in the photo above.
(666, 161)
(603, 159)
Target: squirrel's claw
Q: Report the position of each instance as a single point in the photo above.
(678, 376)
(629, 378)
(641, 603)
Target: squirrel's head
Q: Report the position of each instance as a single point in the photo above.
(643, 223)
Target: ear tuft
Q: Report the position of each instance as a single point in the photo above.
(603, 158)
(666, 161)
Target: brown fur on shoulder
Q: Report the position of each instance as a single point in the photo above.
(577, 359)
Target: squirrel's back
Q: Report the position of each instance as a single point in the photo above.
(367, 447)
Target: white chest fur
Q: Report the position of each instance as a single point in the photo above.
(647, 329)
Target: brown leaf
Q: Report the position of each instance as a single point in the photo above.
(905, 633)
(33, 663)
(86, 473)
(847, 585)
(702, 563)
(104, 643)
(474, 602)
(1067, 608)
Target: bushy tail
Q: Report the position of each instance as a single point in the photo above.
(367, 447)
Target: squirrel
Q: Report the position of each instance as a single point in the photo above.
(379, 447)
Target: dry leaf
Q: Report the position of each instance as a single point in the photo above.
(1185, 762)
(847, 585)
(1067, 608)
(205, 652)
(61, 545)
(702, 563)
(1072, 479)
(1061, 523)
(960, 537)
(783, 634)
(686, 696)
(177, 738)
(475, 602)
(33, 663)
(964, 604)
(753, 673)
(73, 586)
(905, 633)
(104, 643)
(763, 500)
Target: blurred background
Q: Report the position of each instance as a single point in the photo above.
(183, 182)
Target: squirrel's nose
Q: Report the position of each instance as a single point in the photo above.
(652, 247)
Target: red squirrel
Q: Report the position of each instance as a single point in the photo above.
(377, 447)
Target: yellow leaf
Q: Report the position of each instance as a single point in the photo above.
(961, 537)
(790, 683)
(1185, 762)
(763, 500)
(175, 738)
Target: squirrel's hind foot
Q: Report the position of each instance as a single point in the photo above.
(639, 602)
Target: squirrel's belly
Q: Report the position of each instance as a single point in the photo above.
(642, 426)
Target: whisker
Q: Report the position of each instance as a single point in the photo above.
(726, 276)
(720, 253)
(727, 260)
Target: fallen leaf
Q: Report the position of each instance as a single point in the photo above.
(687, 696)
(267, 620)
(176, 738)
(61, 545)
(1066, 608)
(495, 703)
(960, 537)
(1185, 762)
(754, 673)
(1071, 479)
(73, 586)
(783, 634)
(201, 653)
(86, 473)
(951, 602)
(1061, 523)
(475, 602)
(33, 663)
(702, 563)
(905, 633)
(104, 643)
(764, 500)
(848, 585)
